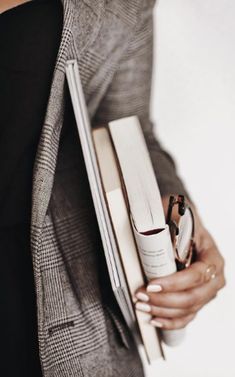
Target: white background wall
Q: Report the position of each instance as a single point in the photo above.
(193, 103)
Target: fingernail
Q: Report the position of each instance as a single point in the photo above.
(154, 288)
(134, 299)
(143, 307)
(142, 296)
(156, 323)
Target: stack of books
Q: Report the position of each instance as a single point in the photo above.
(128, 205)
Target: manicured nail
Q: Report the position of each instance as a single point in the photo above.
(154, 288)
(142, 296)
(134, 299)
(143, 307)
(156, 323)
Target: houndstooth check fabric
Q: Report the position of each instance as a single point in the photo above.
(80, 328)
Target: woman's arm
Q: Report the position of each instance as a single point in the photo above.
(183, 293)
(129, 94)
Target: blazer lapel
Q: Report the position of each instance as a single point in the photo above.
(82, 19)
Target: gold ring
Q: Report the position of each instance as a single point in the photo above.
(210, 272)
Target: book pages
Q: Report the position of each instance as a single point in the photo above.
(146, 211)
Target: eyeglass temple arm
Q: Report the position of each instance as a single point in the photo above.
(169, 210)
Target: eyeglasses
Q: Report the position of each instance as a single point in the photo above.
(182, 234)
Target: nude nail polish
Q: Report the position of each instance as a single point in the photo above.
(143, 307)
(156, 323)
(142, 296)
(154, 288)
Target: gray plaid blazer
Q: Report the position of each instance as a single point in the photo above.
(80, 329)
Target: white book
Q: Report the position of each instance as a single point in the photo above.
(119, 215)
(117, 277)
(145, 205)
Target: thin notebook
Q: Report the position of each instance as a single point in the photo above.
(117, 277)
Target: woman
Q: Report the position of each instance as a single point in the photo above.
(47, 215)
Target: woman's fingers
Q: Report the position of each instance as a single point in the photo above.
(180, 300)
(163, 312)
(181, 280)
(186, 300)
(198, 273)
(172, 324)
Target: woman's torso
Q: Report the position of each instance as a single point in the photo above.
(77, 334)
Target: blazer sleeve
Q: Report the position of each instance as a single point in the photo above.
(129, 93)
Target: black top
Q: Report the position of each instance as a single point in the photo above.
(29, 41)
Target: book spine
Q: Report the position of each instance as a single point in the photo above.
(157, 258)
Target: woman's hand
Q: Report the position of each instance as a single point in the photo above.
(174, 300)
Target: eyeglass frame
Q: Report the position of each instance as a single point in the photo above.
(174, 231)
